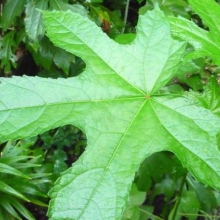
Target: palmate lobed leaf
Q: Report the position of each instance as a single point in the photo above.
(116, 102)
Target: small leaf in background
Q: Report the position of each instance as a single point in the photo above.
(159, 164)
(125, 38)
(49, 53)
(210, 15)
(146, 213)
(136, 198)
(96, 1)
(188, 207)
(206, 43)
(101, 17)
(169, 7)
(63, 59)
(140, 1)
(4, 168)
(33, 20)
(5, 188)
(46, 53)
(60, 5)
(18, 174)
(7, 57)
(166, 187)
(190, 75)
(194, 81)
(210, 97)
(205, 195)
(11, 9)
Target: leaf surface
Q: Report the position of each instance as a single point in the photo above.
(117, 103)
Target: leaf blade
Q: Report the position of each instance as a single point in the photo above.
(197, 149)
(210, 15)
(11, 9)
(199, 38)
(84, 47)
(35, 106)
(33, 21)
(110, 102)
(4, 168)
(205, 42)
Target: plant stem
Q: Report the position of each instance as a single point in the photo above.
(179, 197)
(126, 15)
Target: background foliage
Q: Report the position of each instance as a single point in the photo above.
(162, 188)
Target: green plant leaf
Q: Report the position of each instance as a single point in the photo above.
(11, 9)
(206, 43)
(116, 102)
(21, 209)
(210, 15)
(62, 59)
(4, 168)
(18, 176)
(125, 38)
(9, 190)
(209, 98)
(59, 5)
(33, 21)
(188, 207)
(204, 194)
(7, 59)
(136, 198)
(7, 206)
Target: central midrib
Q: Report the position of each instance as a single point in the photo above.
(76, 102)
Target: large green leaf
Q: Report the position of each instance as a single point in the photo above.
(117, 102)
(205, 42)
